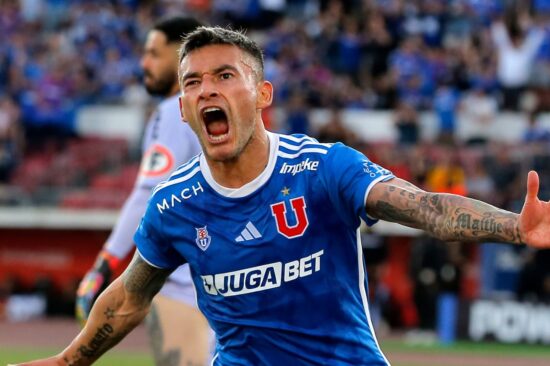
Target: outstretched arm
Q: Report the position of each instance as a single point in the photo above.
(453, 217)
(118, 310)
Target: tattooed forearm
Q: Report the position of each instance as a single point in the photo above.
(143, 280)
(392, 213)
(446, 216)
(118, 310)
(86, 352)
(90, 350)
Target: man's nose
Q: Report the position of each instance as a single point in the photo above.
(208, 87)
(143, 62)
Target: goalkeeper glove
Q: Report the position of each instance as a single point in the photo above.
(93, 283)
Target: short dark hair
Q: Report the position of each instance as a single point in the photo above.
(176, 27)
(205, 36)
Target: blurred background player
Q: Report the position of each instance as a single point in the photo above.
(179, 334)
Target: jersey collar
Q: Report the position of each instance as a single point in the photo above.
(251, 186)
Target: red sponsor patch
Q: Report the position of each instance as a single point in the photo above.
(157, 161)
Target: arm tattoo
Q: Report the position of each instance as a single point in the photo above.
(446, 216)
(143, 280)
(102, 337)
(117, 311)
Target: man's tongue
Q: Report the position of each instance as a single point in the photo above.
(217, 128)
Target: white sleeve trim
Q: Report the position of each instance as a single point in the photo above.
(148, 262)
(367, 191)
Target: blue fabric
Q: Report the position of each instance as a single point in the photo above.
(274, 298)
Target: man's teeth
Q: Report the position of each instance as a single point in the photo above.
(218, 138)
(211, 109)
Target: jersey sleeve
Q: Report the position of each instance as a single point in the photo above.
(349, 177)
(121, 242)
(152, 245)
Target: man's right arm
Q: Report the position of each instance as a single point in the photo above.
(118, 310)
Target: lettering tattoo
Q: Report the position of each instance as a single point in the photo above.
(101, 336)
(122, 311)
(94, 348)
(446, 216)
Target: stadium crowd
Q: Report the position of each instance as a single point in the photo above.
(473, 56)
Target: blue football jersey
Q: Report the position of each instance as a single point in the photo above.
(277, 264)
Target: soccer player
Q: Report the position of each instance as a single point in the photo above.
(269, 226)
(178, 332)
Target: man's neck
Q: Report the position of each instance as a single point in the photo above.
(246, 167)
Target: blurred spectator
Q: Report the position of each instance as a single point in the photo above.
(426, 21)
(349, 44)
(505, 173)
(435, 267)
(134, 93)
(459, 23)
(270, 11)
(377, 45)
(335, 131)
(407, 62)
(447, 175)
(297, 120)
(11, 139)
(479, 109)
(535, 132)
(115, 74)
(385, 93)
(445, 106)
(479, 184)
(484, 10)
(406, 121)
(516, 48)
(540, 75)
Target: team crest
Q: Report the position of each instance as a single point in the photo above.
(203, 239)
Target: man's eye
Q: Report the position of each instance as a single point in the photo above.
(226, 76)
(192, 83)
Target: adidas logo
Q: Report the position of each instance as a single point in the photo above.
(249, 233)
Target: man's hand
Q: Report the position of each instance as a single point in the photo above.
(534, 220)
(93, 283)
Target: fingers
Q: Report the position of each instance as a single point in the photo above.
(532, 186)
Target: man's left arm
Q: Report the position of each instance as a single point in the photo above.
(453, 217)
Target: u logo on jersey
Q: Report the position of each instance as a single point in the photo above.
(298, 205)
(203, 239)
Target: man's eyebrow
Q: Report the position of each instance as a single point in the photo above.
(224, 67)
(190, 75)
(217, 70)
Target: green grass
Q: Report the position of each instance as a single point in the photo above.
(125, 358)
(112, 358)
(472, 348)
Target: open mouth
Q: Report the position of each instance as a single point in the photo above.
(215, 121)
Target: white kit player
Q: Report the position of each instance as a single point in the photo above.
(178, 332)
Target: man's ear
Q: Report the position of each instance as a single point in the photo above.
(182, 111)
(265, 94)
